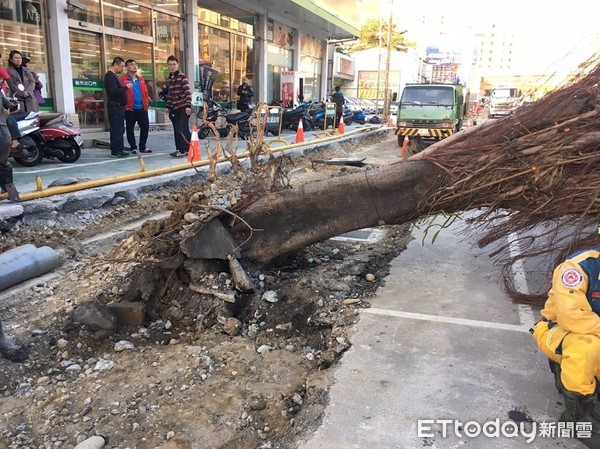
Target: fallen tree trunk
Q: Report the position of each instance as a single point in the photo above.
(293, 219)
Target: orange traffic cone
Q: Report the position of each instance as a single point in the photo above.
(194, 154)
(404, 146)
(300, 133)
(390, 122)
(341, 127)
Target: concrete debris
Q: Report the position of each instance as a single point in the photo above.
(95, 315)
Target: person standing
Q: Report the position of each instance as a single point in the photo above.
(6, 172)
(38, 84)
(116, 99)
(245, 94)
(339, 100)
(19, 74)
(179, 103)
(136, 109)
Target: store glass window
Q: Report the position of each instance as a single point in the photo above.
(279, 60)
(243, 60)
(131, 49)
(167, 42)
(310, 70)
(173, 6)
(21, 29)
(88, 73)
(215, 52)
(245, 25)
(90, 14)
(127, 17)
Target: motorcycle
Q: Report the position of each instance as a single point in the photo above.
(291, 117)
(49, 136)
(359, 117)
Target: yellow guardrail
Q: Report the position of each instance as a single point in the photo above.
(144, 173)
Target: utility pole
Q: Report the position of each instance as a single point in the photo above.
(386, 97)
(379, 61)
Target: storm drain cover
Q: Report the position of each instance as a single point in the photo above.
(360, 235)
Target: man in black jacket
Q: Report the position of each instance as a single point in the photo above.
(116, 99)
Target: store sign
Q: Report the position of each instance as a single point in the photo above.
(343, 67)
(288, 87)
(197, 98)
(371, 83)
(270, 27)
(31, 13)
(87, 84)
(283, 36)
(311, 46)
(204, 48)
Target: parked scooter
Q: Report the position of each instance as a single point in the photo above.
(359, 117)
(49, 136)
(291, 117)
(347, 115)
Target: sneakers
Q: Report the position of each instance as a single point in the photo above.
(145, 150)
(118, 154)
(178, 154)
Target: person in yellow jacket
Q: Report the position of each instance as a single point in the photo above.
(569, 335)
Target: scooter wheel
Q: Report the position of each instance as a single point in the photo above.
(34, 157)
(204, 132)
(361, 122)
(72, 154)
(348, 121)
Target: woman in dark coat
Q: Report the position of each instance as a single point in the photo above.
(19, 74)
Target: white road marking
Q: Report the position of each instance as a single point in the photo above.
(446, 319)
(526, 316)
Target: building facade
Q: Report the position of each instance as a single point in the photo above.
(72, 43)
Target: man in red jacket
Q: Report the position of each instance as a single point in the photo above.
(136, 109)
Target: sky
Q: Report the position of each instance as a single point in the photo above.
(549, 36)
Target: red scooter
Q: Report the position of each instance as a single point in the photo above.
(55, 139)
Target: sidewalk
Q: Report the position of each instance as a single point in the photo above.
(440, 341)
(95, 162)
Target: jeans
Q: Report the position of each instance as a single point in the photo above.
(13, 127)
(116, 120)
(140, 117)
(181, 129)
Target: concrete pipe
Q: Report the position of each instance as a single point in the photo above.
(25, 262)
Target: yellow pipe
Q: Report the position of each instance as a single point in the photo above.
(157, 171)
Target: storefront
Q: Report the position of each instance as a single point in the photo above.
(226, 44)
(131, 31)
(236, 43)
(22, 29)
(280, 56)
(311, 67)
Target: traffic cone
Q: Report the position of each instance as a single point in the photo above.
(341, 127)
(194, 153)
(404, 146)
(390, 122)
(300, 133)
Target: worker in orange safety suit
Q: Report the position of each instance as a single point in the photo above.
(569, 335)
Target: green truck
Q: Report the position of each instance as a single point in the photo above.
(430, 112)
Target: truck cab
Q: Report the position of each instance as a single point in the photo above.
(503, 101)
(430, 111)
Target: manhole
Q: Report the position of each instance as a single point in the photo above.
(360, 235)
